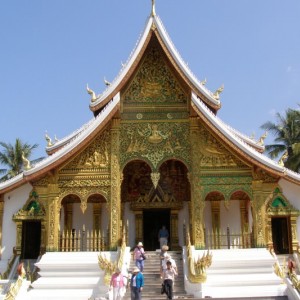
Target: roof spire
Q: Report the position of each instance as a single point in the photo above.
(153, 8)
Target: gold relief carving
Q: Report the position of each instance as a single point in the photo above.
(155, 178)
(154, 82)
(261, 175)
(83, 205)
(84, 182)
(115, 199)
(155, 142)
(43, 182)
(93, 157)
(212, 153)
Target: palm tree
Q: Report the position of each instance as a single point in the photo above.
(287, 138)
(11, 157)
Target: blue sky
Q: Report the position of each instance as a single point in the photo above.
(50, 50)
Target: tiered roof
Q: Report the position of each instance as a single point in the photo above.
(104, 106)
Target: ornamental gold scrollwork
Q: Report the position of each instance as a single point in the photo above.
(155, 142)
(154, 82)
(95, 156)
(211, 153)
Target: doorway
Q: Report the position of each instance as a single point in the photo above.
(31, 239)
(281, 235)
(153, 220)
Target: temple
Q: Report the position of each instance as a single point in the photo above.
(154, 153)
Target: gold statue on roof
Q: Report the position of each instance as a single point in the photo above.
(283, 158)
(26, 162)
(203, 82)
(218, 92)
(48, 139)
(262, 139)
(92, 93)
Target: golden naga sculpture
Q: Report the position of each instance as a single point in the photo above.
(26, 162)
(92, 93)
(262, 139)
(218, 92)
(283, 158)
(108, 266)
(203, 82)
(197, 267)
(48, 139)
(278, 270)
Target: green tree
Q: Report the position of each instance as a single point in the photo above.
(287, 138)
(11, 157)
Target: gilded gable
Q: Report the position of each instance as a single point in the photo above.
(154, 81)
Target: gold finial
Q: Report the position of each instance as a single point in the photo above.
(283, 158)
(48, 139)
(26, 162)
(153, 8)
(203, 82)
(218, 92)
(262, 139)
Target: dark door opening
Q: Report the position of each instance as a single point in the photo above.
(31, 239)
(281, 235)
(153, 221)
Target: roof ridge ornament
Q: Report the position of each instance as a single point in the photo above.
(153, 9)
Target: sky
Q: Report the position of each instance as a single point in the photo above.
(50, 51)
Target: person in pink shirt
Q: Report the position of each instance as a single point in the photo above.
(117, 283)
(139, 256)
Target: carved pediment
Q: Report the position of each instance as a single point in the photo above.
(154, 81)
(211, 152)
(95, 156)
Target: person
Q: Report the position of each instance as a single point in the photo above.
(136, 284)
(139, 256)
(163, 236)
(163, 253)
(167, 259)
(169, 277)
(117, 283)
(291, 266)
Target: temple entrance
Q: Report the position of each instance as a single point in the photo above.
(153, 220)
(31, 239)
(281, 235)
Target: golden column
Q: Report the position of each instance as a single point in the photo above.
(115, 199)
(262, 192)
(197, 203)
(52, 216)
(174, 230)
(138, 226)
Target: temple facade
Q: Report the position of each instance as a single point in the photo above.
(154, 153)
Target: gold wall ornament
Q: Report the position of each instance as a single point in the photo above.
(155, 176)
(96, 156)
(83, 206)
(210, 152)
(168, 140)
(154, 82)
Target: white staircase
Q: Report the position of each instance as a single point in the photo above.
(67, 276)
(242, 273)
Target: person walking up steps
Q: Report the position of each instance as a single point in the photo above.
(169, 277)
(139, 256)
